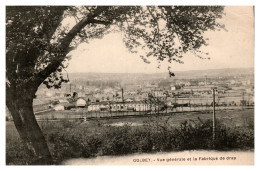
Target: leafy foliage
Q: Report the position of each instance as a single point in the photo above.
(172, 31)
(39, 39)
(68, 139)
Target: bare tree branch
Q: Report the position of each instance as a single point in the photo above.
(101, 22)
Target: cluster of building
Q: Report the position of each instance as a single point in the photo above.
(113, 102)
(148, 95)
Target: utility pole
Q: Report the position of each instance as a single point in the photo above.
(166, 104)
(243, 100)
(122, 94)
(248, 99)
(214, 115)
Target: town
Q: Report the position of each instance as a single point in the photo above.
(149, 93)
(129, 84)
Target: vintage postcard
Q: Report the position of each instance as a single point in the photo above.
(130, 85)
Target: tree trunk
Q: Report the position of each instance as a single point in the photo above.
(19, 104)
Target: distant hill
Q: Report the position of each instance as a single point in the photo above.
(178, 74)
(215, 72)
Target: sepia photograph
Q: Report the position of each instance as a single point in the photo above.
(129, 85)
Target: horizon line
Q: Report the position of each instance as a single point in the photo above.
(160, 72)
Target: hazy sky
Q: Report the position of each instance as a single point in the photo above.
(231, 49)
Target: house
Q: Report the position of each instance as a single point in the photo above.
(201, 83)
(157, 93)
(63, 101)
(173, 88)
(93, 107)
(81, 102)
(141, 107)
(119, 107)
(81, 94)
(106, 97)
(104, 107)
(90, 98)
(144, 95)
(138, 97)
(187, 84)
(59, 107)
(118, 99)
(115, 107)
(129, 100)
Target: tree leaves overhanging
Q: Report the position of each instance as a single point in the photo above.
(39, 39)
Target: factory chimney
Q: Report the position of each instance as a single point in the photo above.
(122, 94)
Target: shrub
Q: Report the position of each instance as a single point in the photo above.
(71, 140)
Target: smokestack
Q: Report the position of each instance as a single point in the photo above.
(122, 94)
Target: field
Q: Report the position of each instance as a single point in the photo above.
(119, 136)
(231, 117)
